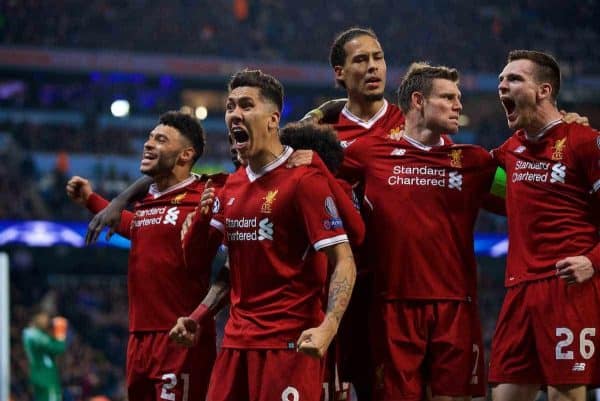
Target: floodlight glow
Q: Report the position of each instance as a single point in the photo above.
(201, 112)
(120, 108)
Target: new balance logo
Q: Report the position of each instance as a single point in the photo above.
(265, 230)
(455, 180)
(558, 174)
(172, 215)
(579, 367)
(520, 149)
(398, 152)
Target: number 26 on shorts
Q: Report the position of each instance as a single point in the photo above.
(586, 344)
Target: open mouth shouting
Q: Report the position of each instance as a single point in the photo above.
(510, 108)
(240, 138)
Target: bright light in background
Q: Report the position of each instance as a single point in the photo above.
(186, 110)
(120, 108)
(463, 120)
(201, 112)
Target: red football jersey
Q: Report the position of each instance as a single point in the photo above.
(420, 208)
(160, 287)
(273, 222)
(388, 119)
(551, 199)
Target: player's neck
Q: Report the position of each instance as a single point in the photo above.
(265, 156)
(363, 108)
(175, 176)
(544, 117)
(422, 134)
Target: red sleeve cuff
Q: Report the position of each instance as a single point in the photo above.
(200, 314)
(96, 203)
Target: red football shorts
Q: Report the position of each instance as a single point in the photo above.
(265, 375)
(159, 370)
(436, 344)
(548, 332)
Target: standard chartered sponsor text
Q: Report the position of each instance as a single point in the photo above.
(418, 176)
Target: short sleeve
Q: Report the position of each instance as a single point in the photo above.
(316, 204)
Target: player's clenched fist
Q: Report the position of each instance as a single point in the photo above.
(185, 332)
(79, 190)
(315, 341)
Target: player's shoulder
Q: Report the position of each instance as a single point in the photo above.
(217, 180)
(578, 133)
(472, 154)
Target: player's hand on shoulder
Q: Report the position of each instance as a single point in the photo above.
(572, 117)
(109, 217)
(185, 332)
(300, 157)
(315, 342)
(79, 190)
(575, 269)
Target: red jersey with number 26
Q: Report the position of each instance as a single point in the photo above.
(551, 199)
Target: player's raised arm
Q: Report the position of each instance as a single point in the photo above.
(315, 341)
(111, 215)
(80, 191)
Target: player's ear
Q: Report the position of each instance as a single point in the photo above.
(417, 100)
(339, 73)
(187, 155)
(544, 90)
(273, 123)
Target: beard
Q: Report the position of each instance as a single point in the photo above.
(374, 97)
(163, 166)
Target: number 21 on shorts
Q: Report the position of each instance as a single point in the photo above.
(170, 382)
(586, 343)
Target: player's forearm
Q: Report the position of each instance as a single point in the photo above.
(340, 287)
(95, 203)
(54, 347)
(218, 294)
(216, 298)
(135, 191)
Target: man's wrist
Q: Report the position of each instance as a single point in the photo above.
(201, 313)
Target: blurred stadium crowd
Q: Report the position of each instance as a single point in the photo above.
(61, 130)
(467, 35)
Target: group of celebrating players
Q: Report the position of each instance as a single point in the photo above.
(391, 202)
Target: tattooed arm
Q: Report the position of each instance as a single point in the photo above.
(315, 341)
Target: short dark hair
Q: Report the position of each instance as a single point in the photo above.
(269, 86)
(187, 126)
(337, 53)
(547, 69)
(419, 78)
(319, 138)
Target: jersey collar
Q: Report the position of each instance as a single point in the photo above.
(543, 131)
(365, 124)
(419, 145)
(153, 190)
(253, 176)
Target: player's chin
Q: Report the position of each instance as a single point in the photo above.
(452, 127)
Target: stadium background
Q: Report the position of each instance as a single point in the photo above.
(64, 63)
